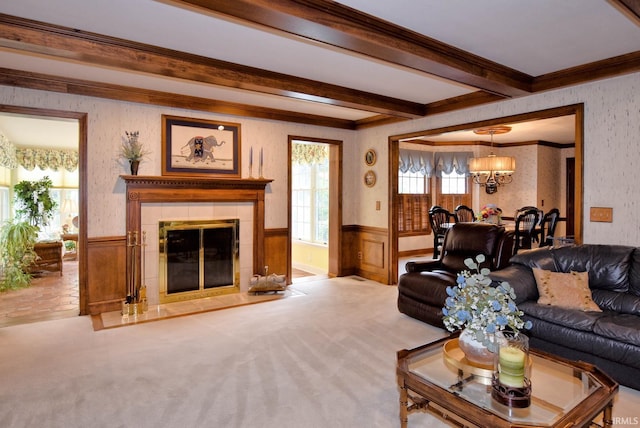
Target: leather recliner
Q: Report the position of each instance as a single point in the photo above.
(422, 289)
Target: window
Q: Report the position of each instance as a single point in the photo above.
(414, 202)
(310, 201)
(453, 183)
(412, 182)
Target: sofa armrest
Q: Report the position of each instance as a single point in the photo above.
(423, 266)
(521, 279)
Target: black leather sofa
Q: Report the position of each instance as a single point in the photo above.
(422, 289)
(609, 339)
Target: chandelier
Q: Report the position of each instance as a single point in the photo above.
(492, 171)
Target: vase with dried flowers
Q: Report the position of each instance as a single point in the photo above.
(132, 150)
(482, 311)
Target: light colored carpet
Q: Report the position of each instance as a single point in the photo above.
(325, 358)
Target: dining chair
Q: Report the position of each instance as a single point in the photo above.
(536, 233)
(548, 227)
(464, 213)
(440, 220)
(526, 221)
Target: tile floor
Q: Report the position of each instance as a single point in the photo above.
(50, 296)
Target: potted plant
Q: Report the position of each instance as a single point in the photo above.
(35, 203)
(17, 239)
(132, 150)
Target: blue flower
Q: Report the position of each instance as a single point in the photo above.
(461, 279)
(528, 325)
(495, 305)
(501, 320)
(491, 328)
(512, 307)
(450, 302)
(445, 312)
(450, 291)
(464, 315)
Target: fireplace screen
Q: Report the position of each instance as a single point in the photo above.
(198, 259)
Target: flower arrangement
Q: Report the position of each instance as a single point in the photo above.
(481, 309)
(131, 148)
(488, 211)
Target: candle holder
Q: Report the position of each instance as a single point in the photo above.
(510, 383)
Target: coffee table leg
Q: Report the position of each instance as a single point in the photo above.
(404, 403)
(607, 419)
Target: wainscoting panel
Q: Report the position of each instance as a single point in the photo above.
(366, 252)
(106, 273)
(275, 251)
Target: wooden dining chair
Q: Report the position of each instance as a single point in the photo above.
(536, 233)
(526, 221)
(464, 214)
(439, 218)
(548, 227)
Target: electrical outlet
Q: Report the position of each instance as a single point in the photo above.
(359, 255)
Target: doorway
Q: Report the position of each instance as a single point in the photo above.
(67, 288)
(315, 216)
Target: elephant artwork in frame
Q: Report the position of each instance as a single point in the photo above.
(200, 147)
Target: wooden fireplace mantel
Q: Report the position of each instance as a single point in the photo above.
(153, 189)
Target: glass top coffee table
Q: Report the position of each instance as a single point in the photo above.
(564, 393)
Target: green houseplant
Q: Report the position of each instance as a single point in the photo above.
(17, 239)
(35, 203)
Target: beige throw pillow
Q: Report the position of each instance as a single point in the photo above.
(567, 290)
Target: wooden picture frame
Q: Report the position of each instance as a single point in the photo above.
(370, 157)
(200, 147)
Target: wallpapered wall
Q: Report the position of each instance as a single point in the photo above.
(611, 139)
(611, 128)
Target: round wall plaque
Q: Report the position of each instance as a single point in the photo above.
(370, 178)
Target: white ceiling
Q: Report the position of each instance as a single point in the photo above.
(534, 37)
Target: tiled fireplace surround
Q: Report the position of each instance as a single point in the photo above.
(152, 199)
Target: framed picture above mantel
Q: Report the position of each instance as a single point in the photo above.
(200, 147)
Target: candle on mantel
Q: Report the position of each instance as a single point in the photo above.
(261, 157)
(251, 157)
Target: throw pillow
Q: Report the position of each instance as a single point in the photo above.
(567, 290)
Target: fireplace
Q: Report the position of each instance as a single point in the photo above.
(198, 259)
(179, 198)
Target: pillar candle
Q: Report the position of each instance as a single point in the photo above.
(261, 157)
(512, 362)
(251, 156)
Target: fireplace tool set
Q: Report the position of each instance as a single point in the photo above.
(136, 301)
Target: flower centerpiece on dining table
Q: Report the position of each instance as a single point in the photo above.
(482, 311)
(490, 213)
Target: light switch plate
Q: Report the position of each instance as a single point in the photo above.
(602, 214)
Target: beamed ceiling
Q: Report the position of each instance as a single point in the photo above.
(348, 64)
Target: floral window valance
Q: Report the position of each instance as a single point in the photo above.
(309, 153)
(416, 161)
(53, 159)
(7, 153)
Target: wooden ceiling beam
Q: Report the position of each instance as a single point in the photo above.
(342, 27)
(69, 44)
(68, 85)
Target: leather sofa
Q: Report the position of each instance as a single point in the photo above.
(609, 339)
(422, 289)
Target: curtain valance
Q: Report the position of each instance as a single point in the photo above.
(416, 161)
(309, 153)
(447, 162)
(52, 159)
